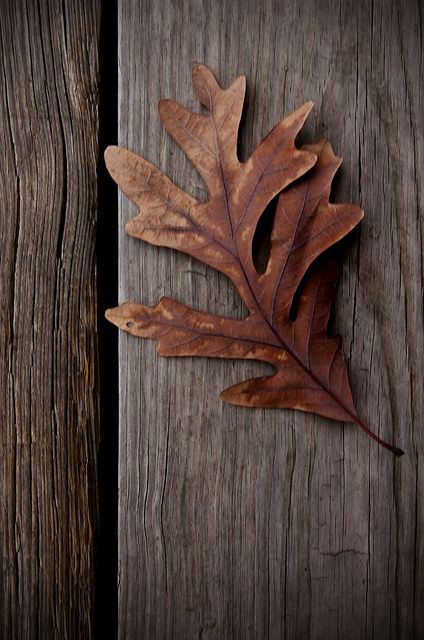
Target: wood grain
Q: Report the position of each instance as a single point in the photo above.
(249, 523)
(48, 373)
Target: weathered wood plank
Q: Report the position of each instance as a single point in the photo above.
(237, 523)
(48, 394)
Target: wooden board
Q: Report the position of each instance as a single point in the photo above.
(48, 372)
(241, 523)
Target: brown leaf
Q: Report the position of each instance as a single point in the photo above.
(310, 369)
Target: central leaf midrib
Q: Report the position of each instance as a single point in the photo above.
(284, 346)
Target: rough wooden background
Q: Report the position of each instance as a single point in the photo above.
(48, 394)
(240, 523)
(233, 523)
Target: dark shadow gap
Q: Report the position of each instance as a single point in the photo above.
(106, 539)
(261, 244)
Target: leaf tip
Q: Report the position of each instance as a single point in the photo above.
(199, 70)
(296, 119)
(304, 110)
(163, 106)
(356, 213)
(310, 158)
(132, 227)
(121, 316)
(225, 396)
(239, 84)
(205, 84)
(112, 315)
(110, 155)
(325, 151)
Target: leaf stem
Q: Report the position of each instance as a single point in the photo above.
(386, 445)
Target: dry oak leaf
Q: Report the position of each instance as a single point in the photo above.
(310, 368)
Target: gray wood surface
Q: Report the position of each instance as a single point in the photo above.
(241, 523)
(48, 394)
